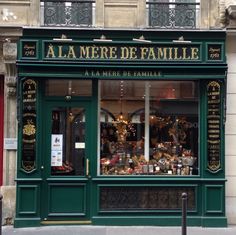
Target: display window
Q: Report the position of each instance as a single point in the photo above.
(148, 128)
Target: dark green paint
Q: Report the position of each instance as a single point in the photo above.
(37, 192)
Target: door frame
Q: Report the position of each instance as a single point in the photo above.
(60, 182)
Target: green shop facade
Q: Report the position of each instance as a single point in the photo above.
(114, 125)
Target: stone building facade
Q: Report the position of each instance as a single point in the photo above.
(214, 14)
(13, 15)
(229, 15)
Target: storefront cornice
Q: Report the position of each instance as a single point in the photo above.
(11, 31)
(231, 32)
(126, 33)
(148, 64)
(123, 29)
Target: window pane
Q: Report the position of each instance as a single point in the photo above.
(68, 131)
(173, 13)
(173, 128)
(56, 87)
(148, 128)
(67, 13)
(122, 130)
(159, 14)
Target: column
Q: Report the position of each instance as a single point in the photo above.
(10, 131)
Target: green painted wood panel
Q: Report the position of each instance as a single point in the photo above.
(28, 199)
(67, 199)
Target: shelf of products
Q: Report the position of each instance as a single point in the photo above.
(166, 159)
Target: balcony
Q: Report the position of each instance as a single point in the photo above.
(173, 14)
(161, 14)
(66, 13)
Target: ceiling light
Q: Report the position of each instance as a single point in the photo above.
(141, 39)
(102, 39)
(181, 41)
(62, 38)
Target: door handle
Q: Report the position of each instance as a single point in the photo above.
(87, 167)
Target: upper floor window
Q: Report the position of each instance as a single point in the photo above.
(67, 12)
(172, 14)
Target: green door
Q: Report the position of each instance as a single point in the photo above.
(66, 182)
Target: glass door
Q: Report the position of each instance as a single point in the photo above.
(66, 162)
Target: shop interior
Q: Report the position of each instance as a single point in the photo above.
(149, 128)
(144, 128)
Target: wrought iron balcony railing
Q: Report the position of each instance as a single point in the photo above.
(67, 12)
(173, 14)
(167, 14)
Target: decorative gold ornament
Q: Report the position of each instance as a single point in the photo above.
(29, 128)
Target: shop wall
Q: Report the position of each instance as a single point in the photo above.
(230, 132)
(8, 123)
(109, 12)
(19, 13)
(1, 125)
(10, 131)
(14, 14)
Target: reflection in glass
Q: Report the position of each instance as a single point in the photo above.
(148, 128)
(68, 141)
(62, 87)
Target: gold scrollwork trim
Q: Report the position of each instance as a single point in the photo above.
(28, 168)
(29, 128)
(214, 167)
(213, 84)
(29, 82)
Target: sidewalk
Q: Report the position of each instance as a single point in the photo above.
(116, 230)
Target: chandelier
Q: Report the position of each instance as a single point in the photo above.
(122, 122)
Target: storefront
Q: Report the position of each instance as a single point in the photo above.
(113, 128)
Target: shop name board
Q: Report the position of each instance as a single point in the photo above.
(118, 52)
(121, 73)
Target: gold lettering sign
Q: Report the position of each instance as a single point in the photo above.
(29, 90)
(214, 52)
(122, 73)
(213, 126)
(162, 52)
(29, 49)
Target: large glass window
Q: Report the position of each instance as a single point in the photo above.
(149, 128)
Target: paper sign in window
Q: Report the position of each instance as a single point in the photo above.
(80, 145)
(56, 158)
(57, 143)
